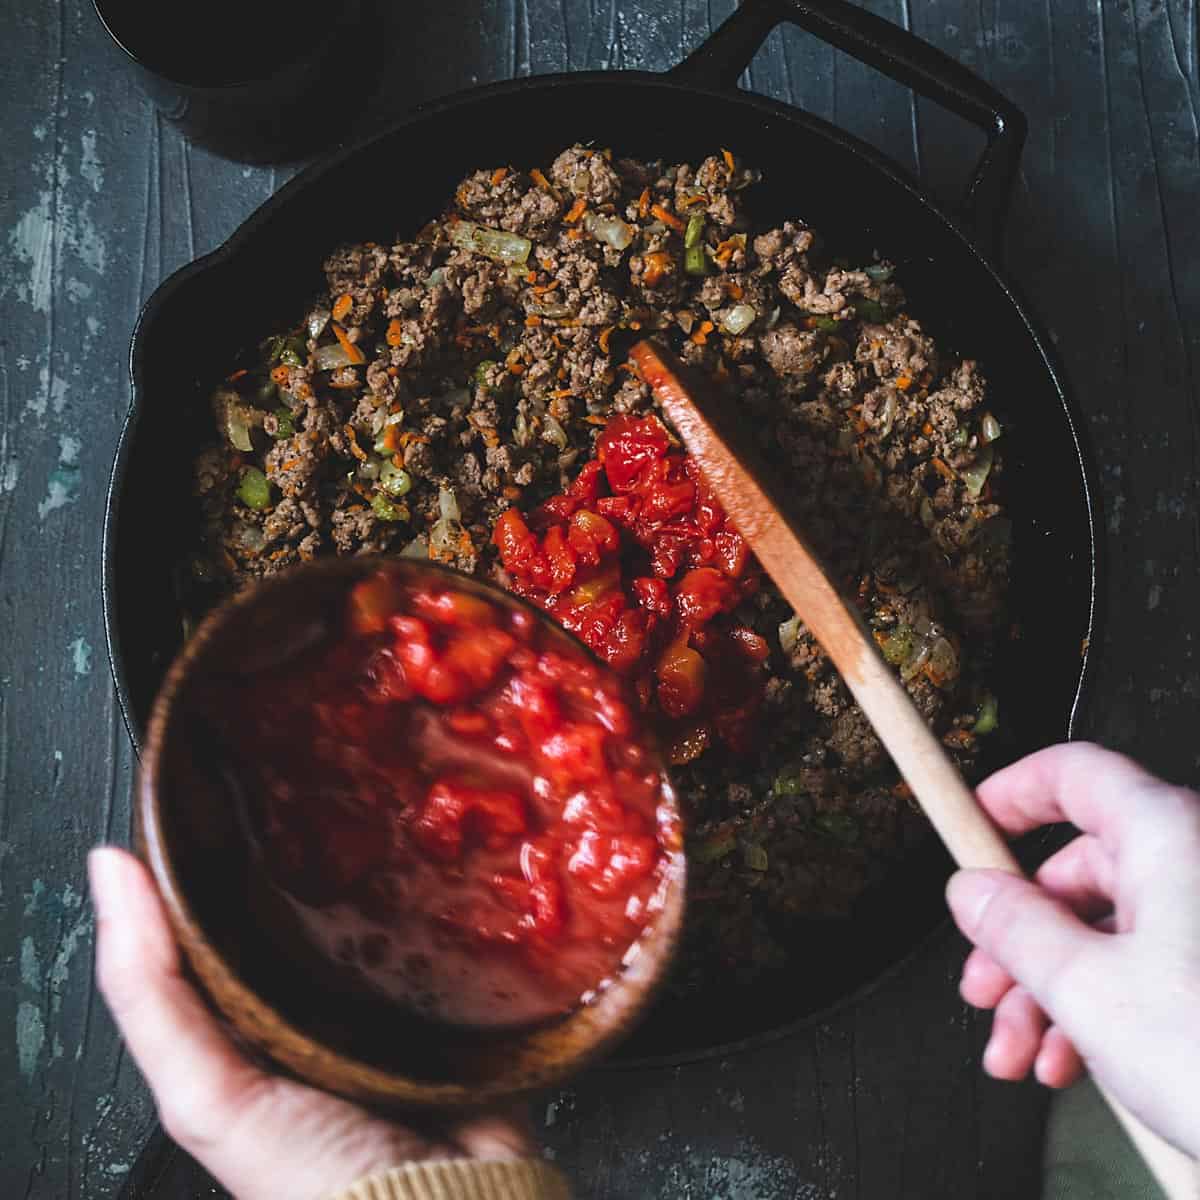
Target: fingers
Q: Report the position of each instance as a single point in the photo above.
(1082, 875)
(1017, 1030)
(495, 1135)
(1058, 1064)
(984, 982)
(191, 1067)
(1102, 792)
(1032, 936)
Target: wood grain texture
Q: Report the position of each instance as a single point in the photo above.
(99, 200)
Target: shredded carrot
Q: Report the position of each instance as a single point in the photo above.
(904, 382)
(517, 368)
(532, 321)
(594, 419)
(352, 382)
(667, 217)
(498, 176)
(393, 372)
(728, 159)
(384, 293)
(604, 338)
(860, 426)
(356, 355)
(736, 290)
(927, 429)
(606, 154)
(644, 203)
(635, 325)
(543, 288)
(291, 464)
(692, 201)
(542, 182)
(944, 469)
(511, 492)
(557, 341)
(562, 373)
(559, 393)
(281, 374)
(355, 448)
(342, 305)
(548, 264)
(390, 434)
(576, 211)
(722, 371)
(575, 234)
(702, 332)
(236, 376)
(394, 332)
(657, 264)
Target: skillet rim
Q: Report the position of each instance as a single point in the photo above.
(807, 123)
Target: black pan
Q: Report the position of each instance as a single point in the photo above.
(200, 317)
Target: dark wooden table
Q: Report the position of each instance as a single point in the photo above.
(100, 200)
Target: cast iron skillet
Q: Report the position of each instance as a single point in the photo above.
(196, 321)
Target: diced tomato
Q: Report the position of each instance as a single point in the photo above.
(628, 445)
(653, 595)
(561, 559)
(608, 864)
(701, 594)
(666, 500)
(573, 755)
(732, 553)
(681, 673)
(457, 609)
(438, 828)
(751, 644)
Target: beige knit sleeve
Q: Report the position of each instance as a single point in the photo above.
(462, 1179)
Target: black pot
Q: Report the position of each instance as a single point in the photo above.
(199, 318)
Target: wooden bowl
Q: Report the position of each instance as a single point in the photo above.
(308, 1021)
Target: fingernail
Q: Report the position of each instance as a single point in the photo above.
(104, 879)
(968, 894)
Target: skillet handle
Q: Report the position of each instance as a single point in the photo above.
(720, 61)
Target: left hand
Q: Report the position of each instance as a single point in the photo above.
(260, 1135)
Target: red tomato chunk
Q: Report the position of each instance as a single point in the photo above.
(455, 805)
(638, 560)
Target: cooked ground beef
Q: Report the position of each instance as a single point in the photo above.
(441, 380)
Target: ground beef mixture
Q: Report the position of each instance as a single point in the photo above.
(440, 381)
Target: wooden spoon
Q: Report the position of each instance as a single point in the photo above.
(706, 424)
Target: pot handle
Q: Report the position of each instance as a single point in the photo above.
(720, 61)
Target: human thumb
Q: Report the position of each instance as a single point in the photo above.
(1037, 940)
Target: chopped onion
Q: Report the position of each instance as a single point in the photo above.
(879, 272)
(445, 532)
(738, 319)
(943, 662)
(989, 428)
(553, 432)
(249, 537)
(610, 230)
(521, 430)
(916, 662)
(369, 469)
(789, 634)
(329, 358)
(415, 549)
(975, 476)
(436, 276)
(394, 480)
(236, 419)
(887, 415)
(317, 320)
(448, 505)
(773, 317)
(553, 311)
(495, 244)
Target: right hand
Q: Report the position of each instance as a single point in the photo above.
(1097, 963)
